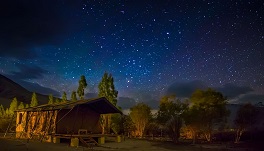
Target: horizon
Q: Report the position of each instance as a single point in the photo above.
(124, 102)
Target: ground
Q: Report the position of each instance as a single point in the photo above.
(11, 144)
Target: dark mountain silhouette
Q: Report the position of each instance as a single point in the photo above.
(9, 89)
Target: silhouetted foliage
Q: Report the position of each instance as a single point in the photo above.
(193, 121)
(82, 86)
(116, 123)
(211, 106)
(57, 100)
(13, 106)
(128, 125)
(73, 96)
(6, 116)
(64, 97)
(2, 111)
(245, 118)
(51, 99)
(170, 115)
(106, 88)
(21, 105)
(34, 101)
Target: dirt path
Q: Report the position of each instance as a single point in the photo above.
(128, 145)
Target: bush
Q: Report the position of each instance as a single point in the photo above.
(4, 123)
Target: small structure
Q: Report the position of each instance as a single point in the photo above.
(69, 119)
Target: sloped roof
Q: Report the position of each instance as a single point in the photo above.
(99, 105)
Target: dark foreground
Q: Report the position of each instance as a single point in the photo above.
(127, 145)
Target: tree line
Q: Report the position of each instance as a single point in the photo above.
(200, 116)
(196, 117)
(7, 114)
(106, 89)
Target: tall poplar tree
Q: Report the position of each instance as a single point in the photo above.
(107, 89)
(64, 97)
(82, 86)
(13, 106)
(51, 100)
(2, 111)
(73, 96)
(21, 105)
(34, 101)
(57, 100)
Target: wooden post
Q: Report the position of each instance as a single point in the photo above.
(118, 138)
(56, 140)
(101, 140)
(74, 142)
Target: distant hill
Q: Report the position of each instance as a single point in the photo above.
(9, 89)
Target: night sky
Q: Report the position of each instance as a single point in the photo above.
(151, 48)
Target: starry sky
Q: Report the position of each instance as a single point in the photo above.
(152, 48)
